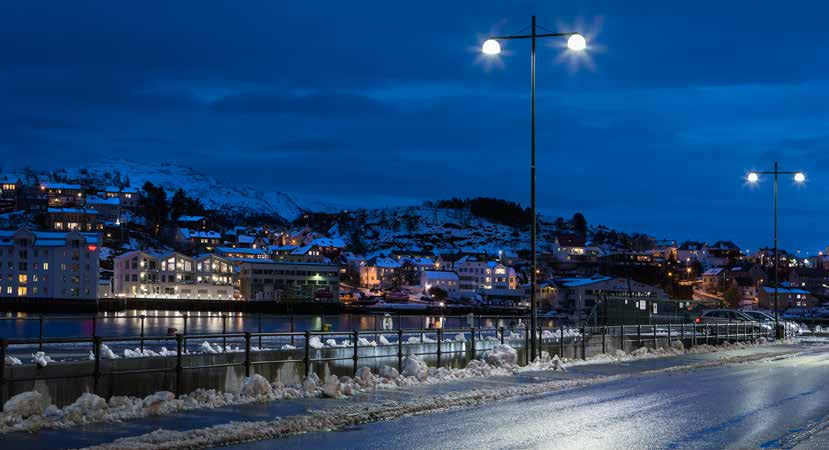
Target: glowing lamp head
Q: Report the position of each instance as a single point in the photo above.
(799, 177)
(753, 177)
(491, 47)
(576, 42)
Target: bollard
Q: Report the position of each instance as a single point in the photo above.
(97, 369)
(400, 349)
(4, 345)
(440, 339)
(639, 336)
(142, 334)
(561, 343)
(583, 343)
(307, 359)
(292, 329)
(40, 336)
(179, 367)
(247, 354)
(185, 329)
(259, 328)
(526, 343)
(502, 334)
(356, 336)
(224, 331)
(604, 339)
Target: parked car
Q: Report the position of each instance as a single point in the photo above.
(791, 328)
(715, 317)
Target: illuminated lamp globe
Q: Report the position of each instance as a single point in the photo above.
(576, 43)
(752, 177)
(799, 177)
(491, 47)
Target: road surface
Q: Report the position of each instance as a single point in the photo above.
(782, 403)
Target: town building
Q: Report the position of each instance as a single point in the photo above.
(378, 272)
(281, 280)
(443, 279)
(128, 197)
(63, 195)
(721, 254)
(197, 239)
(241, 253)
(690, 251)
(581, 295)
(139, 274)
(572, 248)
(787, 297)
(46, 264)
(66, 218)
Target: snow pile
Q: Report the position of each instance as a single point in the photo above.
(460, 337)
(106, 353)
(41, 359)
(363, 342)
(414, 366)
(502, 356)
(138, 353)
(389, 373)
(383, 340)
(287, 347)
(12, 361)
(364, 377)
(639, 352)
(88, 408)
(569, 333)
(25, 404)
(158, 403)
(206, 347)
(256, 386)
(331, 387)
(315, 342)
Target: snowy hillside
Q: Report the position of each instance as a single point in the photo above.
(429, 228)
(214, 194)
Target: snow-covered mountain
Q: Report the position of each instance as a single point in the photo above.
(213, 193)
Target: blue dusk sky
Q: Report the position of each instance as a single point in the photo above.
(390, 103)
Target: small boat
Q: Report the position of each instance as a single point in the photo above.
(397, 297)
(366, 301)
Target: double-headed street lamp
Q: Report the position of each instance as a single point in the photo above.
(575, 42)
(754, 177)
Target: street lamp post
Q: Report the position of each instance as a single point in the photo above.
(491, 46)
(754, 177)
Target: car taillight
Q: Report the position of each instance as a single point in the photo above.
(697, 320)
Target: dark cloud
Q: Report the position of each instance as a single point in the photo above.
(322, 104)
(307, 145)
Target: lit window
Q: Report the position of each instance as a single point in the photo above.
(22, 278)
(45, 266)
(22, 291)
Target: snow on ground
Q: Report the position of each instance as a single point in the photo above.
(19, 414)
(353, 414)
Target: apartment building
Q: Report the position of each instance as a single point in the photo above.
(46, 264)
(279, 280)
(173, 275)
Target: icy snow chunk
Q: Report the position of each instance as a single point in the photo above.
(311, 382)
(460, 337)
(25, 404)
(383, 340)
(155, 404)
(287, 347)
(106, 353)
(364, 377)
(502, 356)
(332, 342)
(678, 346)
(206, 347)
(331, 387)
(389, 373)
(12, 361)
(41, 359)
(256, 386)
(414, 366)
(87, 408)
(315, 342)
(363, 342)
(639, 352)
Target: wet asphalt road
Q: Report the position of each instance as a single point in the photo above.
(776, 404)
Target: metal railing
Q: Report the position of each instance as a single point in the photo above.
(573, 343)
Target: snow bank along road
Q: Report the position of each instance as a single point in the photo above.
(634, 398)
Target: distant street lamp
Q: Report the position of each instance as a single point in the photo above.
(754, 177)
(575, 42)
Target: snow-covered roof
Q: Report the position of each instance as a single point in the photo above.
(61, 186)
(95, 200)
(245, 239)
(329, 242)
(247, 251)
(127, 190)
(72, 211)
(443, 275)
(188, 234)
(712, 271)
(47, 238)
(190, 218)
(577, 282)
(386, 262)
(770, 290)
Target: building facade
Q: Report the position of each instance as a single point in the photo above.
(38, 264)
(139, 274)
(282, 280)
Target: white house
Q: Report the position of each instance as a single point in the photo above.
(448, 281)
